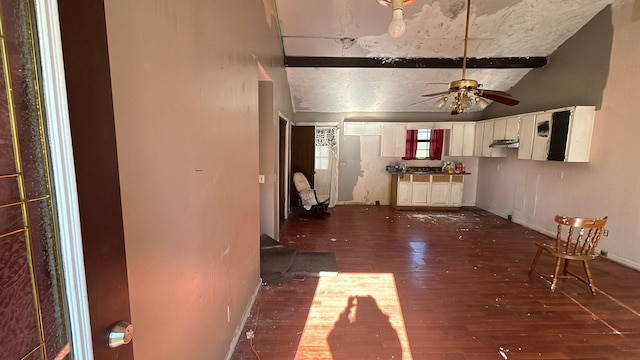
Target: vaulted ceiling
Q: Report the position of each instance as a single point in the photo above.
(339, 57)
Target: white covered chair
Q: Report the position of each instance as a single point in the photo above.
(308, 197)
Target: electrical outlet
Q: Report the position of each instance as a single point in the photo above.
(604, 253)
(605, 233)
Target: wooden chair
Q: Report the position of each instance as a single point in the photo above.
(576, 239)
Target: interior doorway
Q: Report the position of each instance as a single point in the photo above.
(302, 157)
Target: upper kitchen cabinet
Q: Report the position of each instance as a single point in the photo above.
(527, 124)
(512, 128)
(462, 139)
(393, 140)
(560, 134)
(485, 131)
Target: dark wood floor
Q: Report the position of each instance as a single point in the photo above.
(438, 285)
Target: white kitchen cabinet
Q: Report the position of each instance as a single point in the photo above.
(425, 191)
(541, 136)
(527, 124)
(487, 139)
(477, 143)
(440, 190)
(404, 191)
(512, 128)
(362, 129)
(499, 128)
(506, 128)
(462, 138)
(563, 134)
(457, 190)
(420, 190)
(393, 140)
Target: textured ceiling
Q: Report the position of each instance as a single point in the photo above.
(435, 29)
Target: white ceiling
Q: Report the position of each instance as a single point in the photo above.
(435, 29)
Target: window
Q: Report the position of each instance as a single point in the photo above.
(322, 157)
(422, 143)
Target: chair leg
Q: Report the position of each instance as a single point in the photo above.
(535, 260)
(565, 267)
(555, 274)
(587, 270)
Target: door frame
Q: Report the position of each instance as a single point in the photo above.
(284, 170)
(65, 197)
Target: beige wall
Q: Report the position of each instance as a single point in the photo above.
(608, 185)
(185, 89)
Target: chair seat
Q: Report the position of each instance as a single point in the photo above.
(551, 249)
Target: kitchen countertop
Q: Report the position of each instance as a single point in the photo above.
(430, 173)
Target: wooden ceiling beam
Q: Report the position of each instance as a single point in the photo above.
(415, 63)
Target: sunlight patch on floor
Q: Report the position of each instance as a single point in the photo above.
(355, 315)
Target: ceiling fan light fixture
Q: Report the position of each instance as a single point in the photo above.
(465, 100)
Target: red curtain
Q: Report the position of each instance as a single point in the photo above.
(411, 145)
(435, 145)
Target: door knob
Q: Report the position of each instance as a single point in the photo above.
(121, 334)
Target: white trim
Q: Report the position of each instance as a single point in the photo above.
(287, 165)
(318, 124)
(64, 178)
(620, 260)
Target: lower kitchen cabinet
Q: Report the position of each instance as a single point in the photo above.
(420, 190)
(440, 190)
(403, 190)
(415, 191)
(457, 190)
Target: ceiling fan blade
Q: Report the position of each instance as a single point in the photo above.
(499, 96)
(436, 94)
(418, 102)
(497, 92)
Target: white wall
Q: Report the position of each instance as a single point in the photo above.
(608, 185)
(185, 90)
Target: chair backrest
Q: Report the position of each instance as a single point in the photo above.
(578, 236)
(300, 182)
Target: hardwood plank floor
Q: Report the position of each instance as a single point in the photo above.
(438, 285)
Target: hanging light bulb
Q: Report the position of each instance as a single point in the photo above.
(482, 103)
(397, 25)
(441, 102)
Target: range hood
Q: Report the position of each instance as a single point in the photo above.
(513, 143)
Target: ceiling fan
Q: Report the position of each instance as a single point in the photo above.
(464, 92)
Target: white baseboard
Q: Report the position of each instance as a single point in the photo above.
(622, 261)
(247, 311)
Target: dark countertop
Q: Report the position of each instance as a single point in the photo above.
(426, 173)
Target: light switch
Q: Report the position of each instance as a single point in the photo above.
(261, 179)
